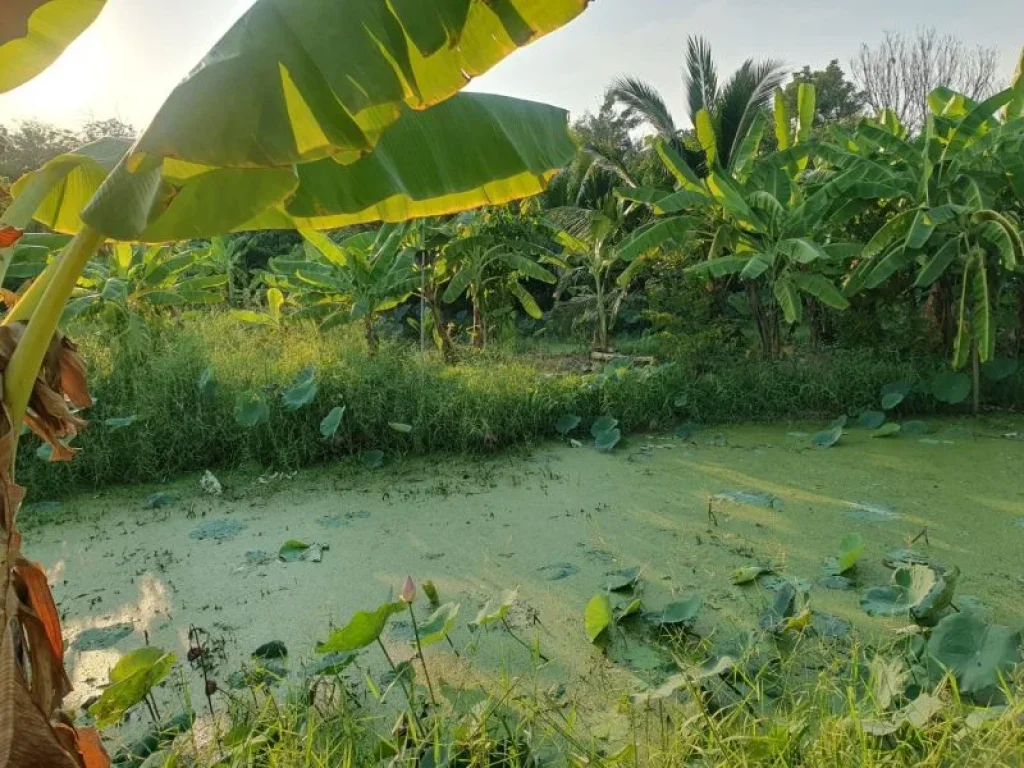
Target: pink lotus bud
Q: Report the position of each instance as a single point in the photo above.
(408, 593)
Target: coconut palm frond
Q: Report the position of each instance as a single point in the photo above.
(642, 100)
(605, 160)
(576, 221)
(749, 90)
(700, 76)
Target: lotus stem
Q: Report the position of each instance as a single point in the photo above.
(423, 660)
(522, 642)
(28, 356)
(401, 682)
(152, 712)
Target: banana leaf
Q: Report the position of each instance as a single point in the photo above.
(33, 33)
(321, 114)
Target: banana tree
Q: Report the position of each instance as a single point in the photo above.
(480, 266)
(128, 283)
(596, 243)
(954, 227)
(356, 279)
(322, 127)
(33, 682)
(757, 221)
(429, 237)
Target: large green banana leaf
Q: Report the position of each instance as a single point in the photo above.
(324, 113)
(471, 150)
(35, 32)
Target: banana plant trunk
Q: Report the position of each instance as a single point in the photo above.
(976, 380)
(432, 296)
(1020, 319)
(444, 333)
(370, 329)
(941, 311)
(601, 332)
(41, 367)
(818, 324)
(766, 320)
(479, 323)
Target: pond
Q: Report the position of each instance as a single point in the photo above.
(137, 564)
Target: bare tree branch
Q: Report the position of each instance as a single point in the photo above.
(901, 71)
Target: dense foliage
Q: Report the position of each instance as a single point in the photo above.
(790, 255)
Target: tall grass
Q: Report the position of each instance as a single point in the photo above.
(840, 714)
(488, 402)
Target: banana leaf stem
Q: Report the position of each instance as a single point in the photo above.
(23, 367)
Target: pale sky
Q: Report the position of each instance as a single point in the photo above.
(127, 63)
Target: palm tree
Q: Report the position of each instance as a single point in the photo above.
(731, 107)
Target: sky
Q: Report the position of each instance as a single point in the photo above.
(130, 59)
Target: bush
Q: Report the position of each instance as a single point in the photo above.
(485, 403)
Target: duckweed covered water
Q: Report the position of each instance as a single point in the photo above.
(559, 525)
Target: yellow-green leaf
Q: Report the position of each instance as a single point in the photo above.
(706, 135)
(806, 105)
(300, 80)
(782, 127)
(788, 298)
(598, 616)
(33, 33)
(517, 147)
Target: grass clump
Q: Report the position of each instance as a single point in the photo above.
(807, 703)
(175, 407)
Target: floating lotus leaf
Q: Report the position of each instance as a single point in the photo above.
(605, 442)
(438, 626)
(678, 613)
(951, 387)
(495, 611)
(567, 424)
(981, 655)
(920, 590)
(603, 424)
(623, 580)
(749, 574)
(828, 437)
(871, 420)
(887, 430)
